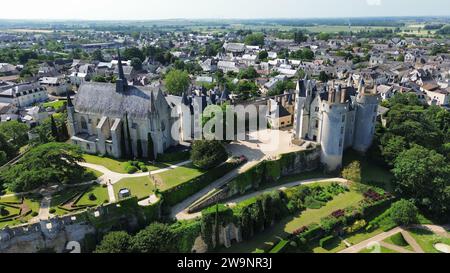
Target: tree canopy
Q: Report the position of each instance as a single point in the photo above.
(207, 154)
(156, 238)
(177, 82)
(51, 163)
(115, 242)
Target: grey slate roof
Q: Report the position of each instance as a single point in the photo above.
(102, 98)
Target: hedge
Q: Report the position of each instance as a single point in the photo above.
(280, 247)
(179, 193)
(185, 235)
(326, 241)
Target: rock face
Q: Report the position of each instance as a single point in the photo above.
(53, 235)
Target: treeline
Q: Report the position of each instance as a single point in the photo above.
(416, 146)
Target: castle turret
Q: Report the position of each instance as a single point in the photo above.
(366, 114)
(333, 128)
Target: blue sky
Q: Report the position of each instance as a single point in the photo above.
(218, 9)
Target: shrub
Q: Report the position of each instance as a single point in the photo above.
(131, 169)
(3, 211)
(404, 212)
(208, 154)
(52, 211)
(398, 239)
(338, 213)
(92, 197)
(34, 214)
(324, 242)
(312, 203)
(144, 169)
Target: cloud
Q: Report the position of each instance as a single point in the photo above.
(374, 2)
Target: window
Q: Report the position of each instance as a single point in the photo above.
(343, 118)
(317, 124)
(342, 130)
(340, 143)
(83, 123)
(317, 109)
(88, 146)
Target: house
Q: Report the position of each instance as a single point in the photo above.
(55, 86)
(436, 95)
(386, 92)
(227, 66)
(23, 95)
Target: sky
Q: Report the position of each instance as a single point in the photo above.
(216, 9)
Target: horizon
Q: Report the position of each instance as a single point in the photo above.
(157, 10)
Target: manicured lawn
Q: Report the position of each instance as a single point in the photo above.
(117, 165)
(178, 176)
(55, 104)
(362, 236)
(266, 239)
(427, 239)
(142, 187)
(100, 193)
(10, 199)
(310, 216)
(398, 240)
(32, 204)
(371, 173)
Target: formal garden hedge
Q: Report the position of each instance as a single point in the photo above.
(179, 193)
(269, 171)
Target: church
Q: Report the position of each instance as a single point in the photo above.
(336, 117)
(118, 120)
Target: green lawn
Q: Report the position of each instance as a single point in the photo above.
(371, 173)
(55, 104)
(142, 187)
(100, 193)
(310, 216)
(427, 239)
(32, 204)
(398, 240)
(10, 199)
(178, 176)
(266, 239)
(118, 165)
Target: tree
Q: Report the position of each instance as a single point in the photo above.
(393, 147)
(139, 148)
(404, 212)
(422, 174)
(54, 128)
(156, 238)
(263, 55)
(115, 242)
(150, 148)
(249, 73)
(136, 63)
(3, 158)
(16, 132)
(352, 172)
(280, 87)
(207, 154)
(299, 37)
(51, 163)
(97, 55)
(323, 76)
(254, 39)
(7, 147)
(133, 52)
(177, 82)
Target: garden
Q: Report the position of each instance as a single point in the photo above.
(74, 199)
(15, 210)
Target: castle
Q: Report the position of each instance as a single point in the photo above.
(336, 117)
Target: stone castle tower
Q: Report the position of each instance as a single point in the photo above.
(336, 117)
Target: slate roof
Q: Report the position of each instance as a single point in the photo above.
(102, 98)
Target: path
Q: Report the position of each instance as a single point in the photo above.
(110, 178)
(179, 211)
(440, 230)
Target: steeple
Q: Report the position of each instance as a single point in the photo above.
(121, 82)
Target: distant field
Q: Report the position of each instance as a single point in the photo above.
(24, 30)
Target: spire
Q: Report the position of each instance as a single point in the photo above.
(121, 74)
(121, 82)
(69, 100)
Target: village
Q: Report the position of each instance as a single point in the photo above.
(102, 138)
